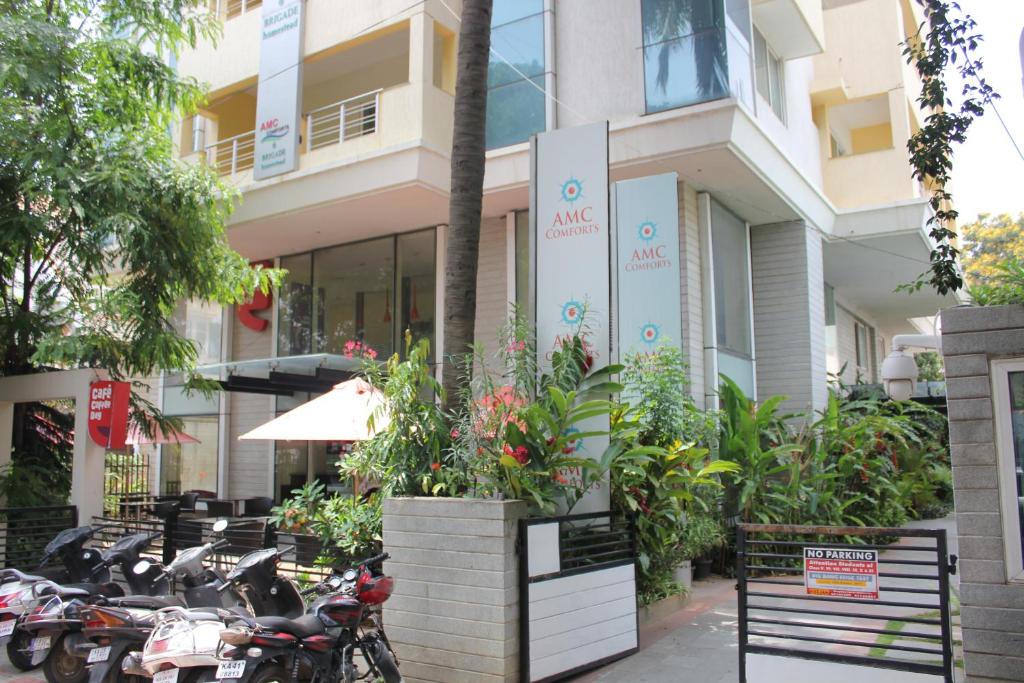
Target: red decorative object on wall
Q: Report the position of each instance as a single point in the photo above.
(260, 302)
(108, 413)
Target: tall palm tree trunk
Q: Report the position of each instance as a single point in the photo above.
(468, 147)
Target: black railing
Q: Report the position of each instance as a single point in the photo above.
(808, 593)
(24, 532)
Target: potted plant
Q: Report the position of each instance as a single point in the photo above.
(703, 534)
(299, 516)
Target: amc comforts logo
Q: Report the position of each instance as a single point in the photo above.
(577, 218)
(648, 255)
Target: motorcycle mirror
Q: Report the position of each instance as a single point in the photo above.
(220, 525)
(141, 567)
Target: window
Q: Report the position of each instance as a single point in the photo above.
(515, 95)
(1008, 391)
(684, 47)
(192, 466)
(864, 340)
(369, 291)
(730, 256)
(297, 462)
(770, 75)
(830, 305)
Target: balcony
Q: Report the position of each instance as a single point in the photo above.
(794, 28)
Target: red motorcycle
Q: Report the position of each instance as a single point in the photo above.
(320, 645)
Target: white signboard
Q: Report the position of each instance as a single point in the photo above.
(647, 240)
(280, 88)
(570, 186)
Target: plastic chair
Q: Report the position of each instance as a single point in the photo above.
(219, 508)
(258, 507)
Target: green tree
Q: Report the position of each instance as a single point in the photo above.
(989, 241)
(929, 366)
(103, 230)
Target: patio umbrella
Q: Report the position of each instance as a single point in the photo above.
(137, 435)
(339, 415)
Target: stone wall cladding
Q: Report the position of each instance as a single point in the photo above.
(454, 615)
(992, 610)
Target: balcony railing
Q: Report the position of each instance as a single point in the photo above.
(334, 123)
(236, 8)
(234, 154)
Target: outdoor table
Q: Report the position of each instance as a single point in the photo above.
(236, 504)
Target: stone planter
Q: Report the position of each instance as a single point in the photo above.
(454, 613)
(663, 608)
(684, 574)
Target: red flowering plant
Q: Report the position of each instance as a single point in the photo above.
(354, 348)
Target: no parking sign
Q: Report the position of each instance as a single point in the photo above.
(841, 573)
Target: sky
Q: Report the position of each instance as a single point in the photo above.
(988, 173)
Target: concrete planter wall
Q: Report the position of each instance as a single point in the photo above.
(453, 616)
(992, 608)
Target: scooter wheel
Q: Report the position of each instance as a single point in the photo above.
(63, 667)
(17, 650)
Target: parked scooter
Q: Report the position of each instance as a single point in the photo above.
(184, 641)
(55, 624)
(320, 645)
(113, 627)
(16, 588)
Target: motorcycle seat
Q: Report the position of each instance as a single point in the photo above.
(84, 590)
(16, 575)
(301, 627)
(147, 601)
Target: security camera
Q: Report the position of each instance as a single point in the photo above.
(899, 369)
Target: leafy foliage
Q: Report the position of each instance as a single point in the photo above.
(1004, 286)
(347, 526)
(990, 241)
(950, 41)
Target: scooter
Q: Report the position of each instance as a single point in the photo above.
(113, 627)
(16, 588)
(56, 624)
(320, 645)
(185, 641)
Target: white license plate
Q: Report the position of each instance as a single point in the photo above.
(168, 676)
(233, 669)
(40, 643)
(7, 627)
(98, 654)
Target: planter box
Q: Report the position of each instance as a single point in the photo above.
(665, 607)
(454, 615)
(684, 574)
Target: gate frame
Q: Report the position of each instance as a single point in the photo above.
(944, 563)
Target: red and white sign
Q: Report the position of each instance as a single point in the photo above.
(260, 302)
(108, 413)
(841, 572)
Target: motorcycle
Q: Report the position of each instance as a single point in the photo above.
(16, 588)
(321, 644)
(185, 641)
(113, 627)
(56, 624)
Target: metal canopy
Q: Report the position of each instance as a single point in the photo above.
(315, 373)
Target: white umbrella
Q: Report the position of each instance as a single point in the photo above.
(339, 415)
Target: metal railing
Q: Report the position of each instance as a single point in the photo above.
(234, 154)
(236, 8)
(339, 121)
(24, 532)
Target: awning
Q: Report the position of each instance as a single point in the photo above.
(315, 373)
(341, 414)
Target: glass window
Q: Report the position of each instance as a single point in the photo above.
(417, 286)
(1015, 380)
(354, 298)
(192, 466)
(730, 254)
(769, 73)
(684, 53)
(1008, 401)
(295, 306)
(515, 97)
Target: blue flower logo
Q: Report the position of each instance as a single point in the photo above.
(646, 231)
(572, 190)
(571, 312)
(649, 333)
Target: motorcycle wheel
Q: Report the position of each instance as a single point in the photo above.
(384, 662)
(17, 650)
(62, 667)
(270, 673)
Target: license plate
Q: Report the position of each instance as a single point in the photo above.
(98, 654)
(7, 627)
(40, 643)
(168, 676)
(233, 669)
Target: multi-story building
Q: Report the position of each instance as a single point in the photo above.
(785, 120)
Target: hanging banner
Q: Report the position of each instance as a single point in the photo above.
(280, 88)
(570, 231)
(108, 413)
(647, 275)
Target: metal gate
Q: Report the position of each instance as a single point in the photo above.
(577, 594)
(838, 610)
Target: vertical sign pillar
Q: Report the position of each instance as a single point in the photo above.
(571, 234)
(280, 88)
(647, 276)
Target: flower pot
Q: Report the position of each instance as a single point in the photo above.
(307, 549)
(701, 569)
(684, 574)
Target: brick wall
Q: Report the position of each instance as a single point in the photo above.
(690, 290)
(248, 461)
(992, 610)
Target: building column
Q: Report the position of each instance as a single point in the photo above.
(789, 314)
(421, 48)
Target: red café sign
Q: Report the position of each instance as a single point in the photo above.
(108, 413)
(260, 302)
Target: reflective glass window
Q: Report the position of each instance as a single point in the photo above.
(416, 286)
(515, 73)
(295, 306)
(192, 466)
